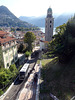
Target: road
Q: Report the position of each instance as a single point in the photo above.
(18, 85)
(29, 90)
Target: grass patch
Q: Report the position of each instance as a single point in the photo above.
(45, 61)
(38, 61)
(57, 79)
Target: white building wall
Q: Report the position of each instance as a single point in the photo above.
(9, 55)
(42, 45)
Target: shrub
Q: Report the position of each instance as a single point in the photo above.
(1, 92)
(13, 68)
(27, 53)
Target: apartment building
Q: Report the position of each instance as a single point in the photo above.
(8, 47)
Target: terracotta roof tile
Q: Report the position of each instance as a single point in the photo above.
(2, 33)
(7, 39)
(44, 41)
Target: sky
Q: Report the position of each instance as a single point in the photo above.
(38, 7)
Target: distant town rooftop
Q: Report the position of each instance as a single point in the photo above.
(2, 33)
(6, 39)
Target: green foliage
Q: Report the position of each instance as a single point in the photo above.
(29, 38)
(1, 92)
(19, 67)
(13, 29)
(5, 76)
(57, 78)
(13, 68)
(22, 48)
(63, 44)
(0, 29)
(27, 53)
(44, 56)
(9, 19)
(27, 29)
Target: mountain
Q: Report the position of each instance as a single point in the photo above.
(8, 19)
(61, 19)
(40, 21)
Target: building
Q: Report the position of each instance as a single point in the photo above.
(49, 21)
(42, 41)
(8, 47)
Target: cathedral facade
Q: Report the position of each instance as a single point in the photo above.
(49, 23)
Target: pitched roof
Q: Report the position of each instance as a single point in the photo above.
(7, 39)
(2, 32)
(44, 41)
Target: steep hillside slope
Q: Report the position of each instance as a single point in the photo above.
(10, 20)
(57, 79)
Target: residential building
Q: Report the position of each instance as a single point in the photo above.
(8, 47)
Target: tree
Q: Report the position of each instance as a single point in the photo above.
(0, 29)
(13, 69)
(5, 75)
(27, 54)
(22, 48)
(29, 38)
(56, 45)
(63, 44)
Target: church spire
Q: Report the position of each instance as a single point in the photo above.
(49, 21)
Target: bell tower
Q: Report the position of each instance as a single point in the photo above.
(49, 22)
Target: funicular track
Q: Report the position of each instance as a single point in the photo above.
(18, 85)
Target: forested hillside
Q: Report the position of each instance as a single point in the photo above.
(8, 19)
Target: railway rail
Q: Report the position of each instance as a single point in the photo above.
(18, 85)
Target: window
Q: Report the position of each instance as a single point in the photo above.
(4, 45)
(7, 64)
(50, 21)
(10, 43)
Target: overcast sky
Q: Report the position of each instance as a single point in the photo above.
(38, 7)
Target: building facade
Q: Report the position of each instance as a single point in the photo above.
(49, 23)
(42, 41)
(8, 47)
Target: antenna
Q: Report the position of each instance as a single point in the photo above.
(50, 6)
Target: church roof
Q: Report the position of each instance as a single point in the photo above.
(49, 9)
